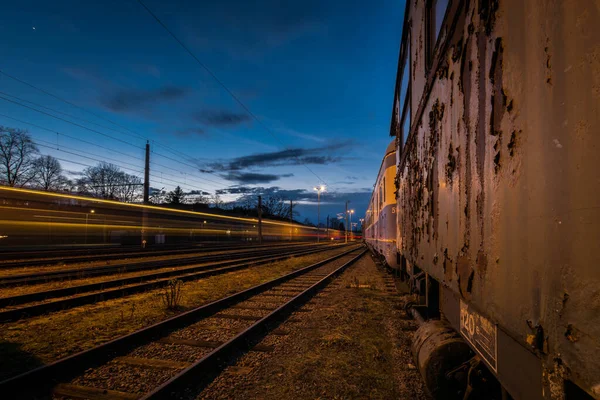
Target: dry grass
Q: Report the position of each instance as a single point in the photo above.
(20, 290)
(342, 349)
(26, 343)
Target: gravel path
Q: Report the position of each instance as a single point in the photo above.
(351, 341)
(163, 359)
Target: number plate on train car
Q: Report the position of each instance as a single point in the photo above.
(481, 333)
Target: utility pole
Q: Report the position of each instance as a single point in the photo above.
(291, 221)
(327, 228)
(346, 224)
(146, 194)
(260, 219)
(147, 175)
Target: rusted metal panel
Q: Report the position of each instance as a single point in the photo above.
(499, 184)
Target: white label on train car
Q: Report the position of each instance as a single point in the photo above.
(481, 333)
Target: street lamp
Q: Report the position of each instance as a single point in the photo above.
(350, 212)
(319, 189)
(86, 223)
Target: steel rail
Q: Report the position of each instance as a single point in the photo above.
(47, 376)
(136, 284)
(195, 266)
(210, 365)
(28, 260)
(78, 273)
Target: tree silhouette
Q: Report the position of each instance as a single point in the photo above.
(176, 196)
(17, 156)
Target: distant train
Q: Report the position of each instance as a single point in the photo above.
(380, 219)
(34, 218)
(496, 118)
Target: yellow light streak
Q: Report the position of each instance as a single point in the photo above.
(142, 206)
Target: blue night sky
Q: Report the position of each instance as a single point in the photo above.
(318, 74)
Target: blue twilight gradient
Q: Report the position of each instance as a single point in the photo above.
(318, 74)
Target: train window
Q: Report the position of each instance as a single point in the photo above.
(434, 17)
(440, 11)
(405, 123)
(404, 85)
(383, 189)
(405, 90)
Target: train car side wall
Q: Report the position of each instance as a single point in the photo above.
(499, 181)
(380, 227)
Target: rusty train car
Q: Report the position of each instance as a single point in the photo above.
(380, 219)
(496, 117)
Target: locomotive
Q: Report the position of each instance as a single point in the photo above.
(496, 116)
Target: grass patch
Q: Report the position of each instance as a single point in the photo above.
(56, 335)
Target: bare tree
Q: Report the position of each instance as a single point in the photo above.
(276, 206)
(217, 201)
(17, 155)
(128, 187)
(48, 173)
(109, 182)
(197, 197)
(157, 196)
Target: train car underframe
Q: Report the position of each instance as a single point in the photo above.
(456, 348)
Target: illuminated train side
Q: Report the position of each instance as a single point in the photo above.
(29, 217)
(380, 219)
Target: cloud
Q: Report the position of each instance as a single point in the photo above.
(221, 117)
(253, 177)
(186, 132)
(136, 100)
(295, 156)
(198, 192)
(74, 173)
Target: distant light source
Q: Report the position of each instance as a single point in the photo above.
(92, 211)
(204, 221)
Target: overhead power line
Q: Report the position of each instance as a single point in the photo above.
(68, 102)
(212, 74)
(63, 113)
(101, 158)
(67, 121)
(128, 133)
(73, 137)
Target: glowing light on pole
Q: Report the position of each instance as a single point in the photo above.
(319, 189)
(86, 223)
(350, 212)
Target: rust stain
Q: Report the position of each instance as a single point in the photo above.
(450, 165)
(487, 13)
(482, 262)
(464, 273)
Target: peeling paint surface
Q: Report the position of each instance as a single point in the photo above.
(499, 192)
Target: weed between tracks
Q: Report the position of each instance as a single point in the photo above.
(353, 344)
(27, 343)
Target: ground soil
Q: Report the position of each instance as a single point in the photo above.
(31, 342)
(352, 341)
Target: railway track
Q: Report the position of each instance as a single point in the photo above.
(33, 259)
(38, 303)
(146, 265)
(164, 359)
